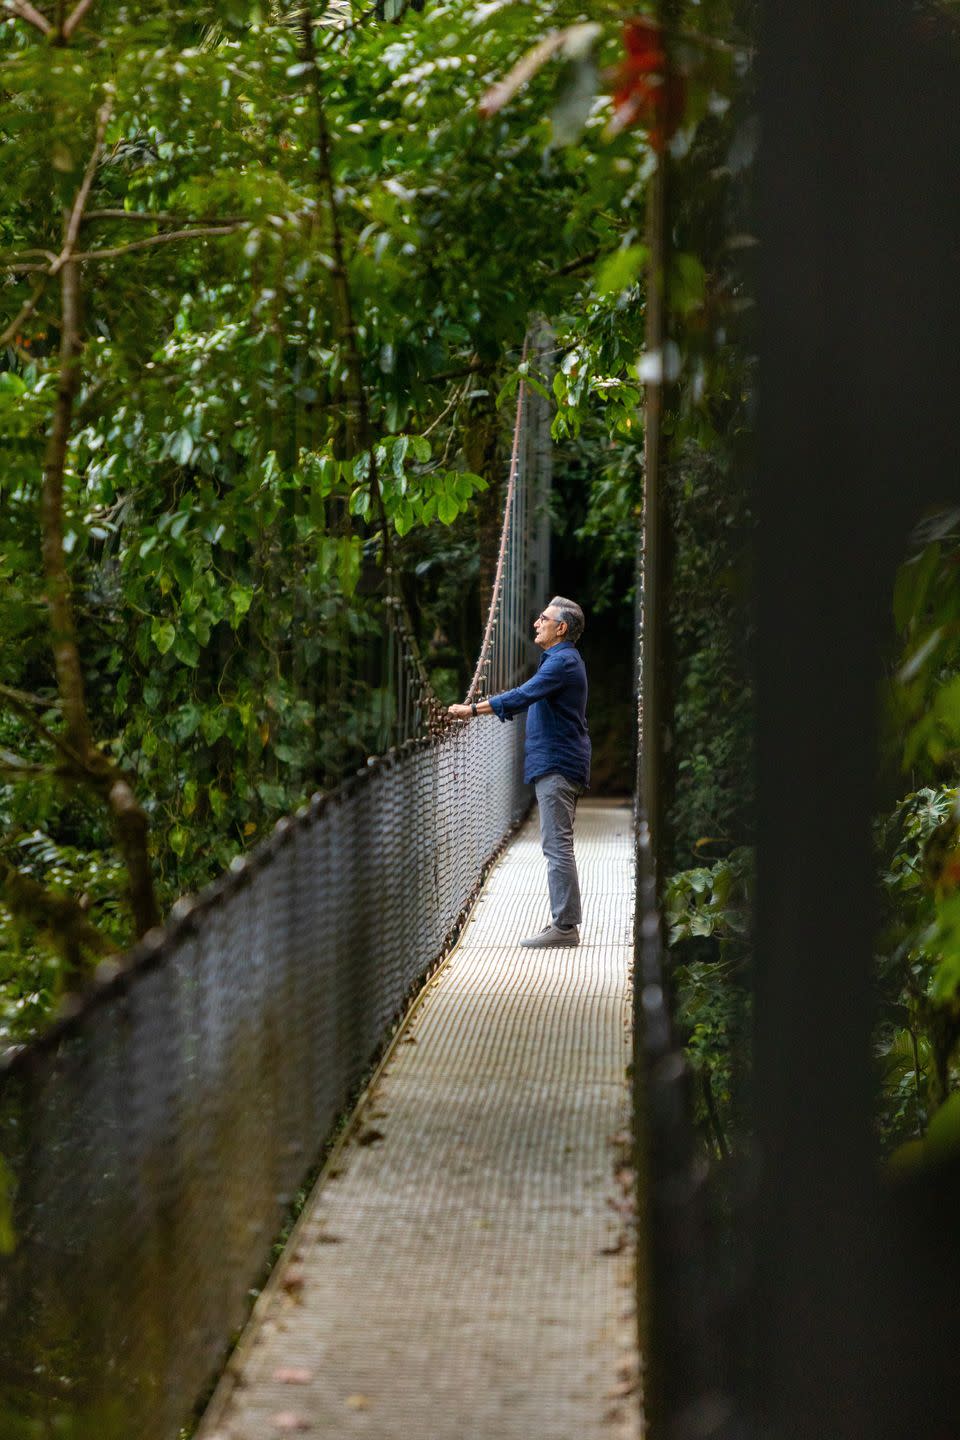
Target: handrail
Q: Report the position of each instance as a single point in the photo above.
(152, 1138)
(486, 647)
(113, 974)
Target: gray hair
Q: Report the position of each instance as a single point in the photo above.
(572, 616)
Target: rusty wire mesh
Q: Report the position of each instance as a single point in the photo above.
(157, 1137)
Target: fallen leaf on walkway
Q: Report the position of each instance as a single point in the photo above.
(324, 1239)
(621, 1389)
(409, 1040)
(370, 1136)
(288, 1420)
(624, 1206)
(293, 1279)
(358, 1402)
(292, 1375)
(616, 1247)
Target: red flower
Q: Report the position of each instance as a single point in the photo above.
(643, 42)
(647, 93)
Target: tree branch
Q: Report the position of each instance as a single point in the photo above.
(21, 703)
(454, 401)
(60, 916)
(81, 257)
(577, 263)
(133, 837)
(28, 12)
(26, 310)
(130, 821)
(66, 655)
(198, 232)
(27, 697)
(75, 17)
(17, 767)
(49, 255)
(164, 217)
(72, 229)
(474, 366)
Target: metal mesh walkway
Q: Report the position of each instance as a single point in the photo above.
(462, 1270)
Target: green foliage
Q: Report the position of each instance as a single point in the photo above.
(712, 802)
(918, 843)
(256, 424)
(710, 820)
(924, 693)
(708, 912)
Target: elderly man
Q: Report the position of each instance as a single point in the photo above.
(556, 755)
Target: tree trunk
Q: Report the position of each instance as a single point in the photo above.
(63, 634)
(129, 820)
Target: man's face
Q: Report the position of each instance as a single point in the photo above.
(547, 629)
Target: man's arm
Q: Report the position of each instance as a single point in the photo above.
(466, 712)
(547, 681)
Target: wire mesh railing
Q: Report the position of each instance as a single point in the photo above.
(153, 1141)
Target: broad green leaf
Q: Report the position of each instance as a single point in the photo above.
(947, 707)
(213, 724)
(186, 648)
(163, 634)
(348, 564)
(447, 508)
(619, 271)
(398, 455)
(241, 598)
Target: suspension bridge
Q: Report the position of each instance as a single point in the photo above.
(449, 1269)
(463, 1266)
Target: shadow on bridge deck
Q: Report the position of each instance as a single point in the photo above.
(462, 1271)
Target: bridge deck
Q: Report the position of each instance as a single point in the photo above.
(465, 1273)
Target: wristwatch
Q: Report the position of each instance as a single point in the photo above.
(473, 708)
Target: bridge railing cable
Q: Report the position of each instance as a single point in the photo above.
(154, 1140)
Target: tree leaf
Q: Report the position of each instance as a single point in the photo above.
(447, 508)
(163, 634)
(618, 272)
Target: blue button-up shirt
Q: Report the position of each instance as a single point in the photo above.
(556, 698)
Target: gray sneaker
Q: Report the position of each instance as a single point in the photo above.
(553, 935)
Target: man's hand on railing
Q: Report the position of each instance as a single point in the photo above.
(467, 712)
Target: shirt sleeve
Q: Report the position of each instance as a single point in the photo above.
(547, 681)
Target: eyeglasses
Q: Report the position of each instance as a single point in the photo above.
(549, 619)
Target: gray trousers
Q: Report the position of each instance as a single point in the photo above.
(557, 798)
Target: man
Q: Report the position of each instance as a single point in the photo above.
(556, 755)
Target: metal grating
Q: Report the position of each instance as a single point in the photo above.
(467, 1275)
(157, 1135)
